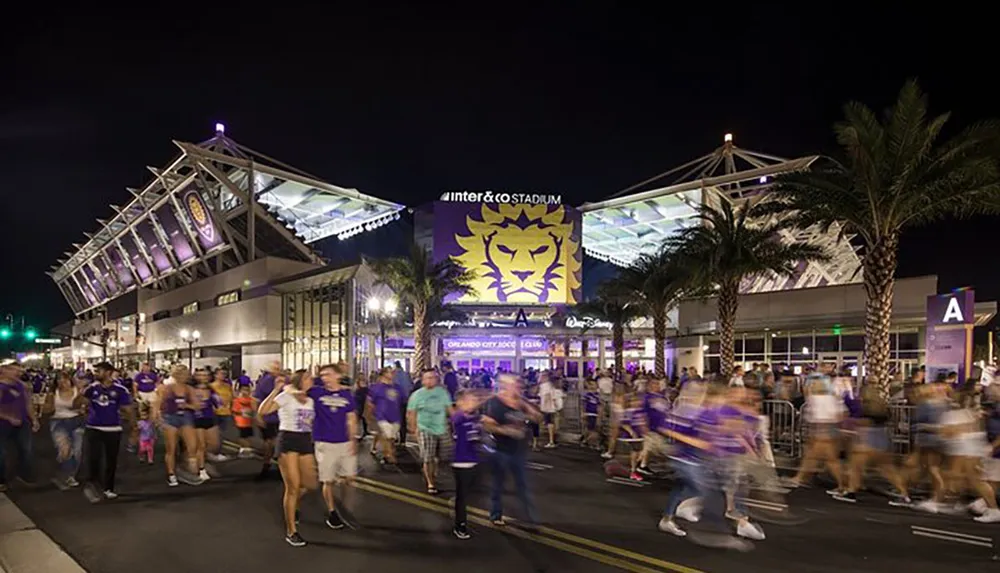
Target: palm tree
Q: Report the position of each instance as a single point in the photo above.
(612, 306)
(422, 284)
(896, 173)
(731, 245)
(653, 282)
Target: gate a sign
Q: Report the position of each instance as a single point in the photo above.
(950, 319)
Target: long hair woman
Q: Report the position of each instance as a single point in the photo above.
(206, 432)
(65, 407)
(176, 413)
(297, 458)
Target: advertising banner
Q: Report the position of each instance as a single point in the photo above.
(520, 253)
(88, 293)
(171, 226)
(95, 284)
(950, 319)
(149, 239)
(494, 344)
(136, 258)
(197, 212)
(104, 275)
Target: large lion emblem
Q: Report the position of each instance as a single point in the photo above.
(522, 253)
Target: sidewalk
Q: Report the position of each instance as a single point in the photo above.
(26, 549)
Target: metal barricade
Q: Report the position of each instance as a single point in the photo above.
(783, 427)
(900, 428)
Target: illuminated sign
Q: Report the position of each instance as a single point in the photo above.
(496, 197)
(587, 322)
(197, 211)
(527, 254)
(48, 341)
(493, 344)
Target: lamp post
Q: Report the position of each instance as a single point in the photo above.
(117, 345)
(383, 311)
(190, 336)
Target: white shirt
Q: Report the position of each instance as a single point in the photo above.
(971, 440)
(547, 396)
(64, 408)
(736, 381)
(294, 416)
(823, 408)
(605, 385)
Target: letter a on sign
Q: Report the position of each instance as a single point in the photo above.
(953, 312)
(521, 319)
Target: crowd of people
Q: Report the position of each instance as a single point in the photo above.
(712, 433)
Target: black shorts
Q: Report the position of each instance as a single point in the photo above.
(591, 422)
(296, 442)
(246, 432)
(269, 431)
(549, 418)
(634, 444)
(204, 423)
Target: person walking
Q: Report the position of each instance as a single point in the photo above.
(65, 406)
(384, 398)
(466, 424)
(506, 418)
(268, 423)
(106, 400)
(335, 431)
(405, 385)
(427, 417)
(17, 422)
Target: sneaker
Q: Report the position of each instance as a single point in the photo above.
(749, 530)
(928, 505)
(634, 476)
(847, 497)
(172, 481)
(108, 494)
(835, 492)
(498, 521)
(607, 455)
(245, 453)
(689, 510)
(991, 515)
(333, 521)
(295, 540)
(549, 445)
(978, 507)
(901, 501)
(644, 471)
(203, 475)
(91, 493)
(71, 482)
(667, 525)
(461, 533)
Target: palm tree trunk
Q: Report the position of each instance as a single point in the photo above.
(729, 302)
(660, 338)
(879, 270)
(618, 344)
(421, 340)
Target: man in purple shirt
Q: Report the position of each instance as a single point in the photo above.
(17, 421)
(268, 424)
(334, 428)
(384, 399)
(106, 399)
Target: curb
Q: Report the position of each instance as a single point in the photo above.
(26, 549)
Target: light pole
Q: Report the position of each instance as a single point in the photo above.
(117, 345)
(190, 336)
(382, 310)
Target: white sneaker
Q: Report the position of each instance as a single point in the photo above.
(203, 475)
(607, 455)
(108, 494)
(978, 507)
(549, 445)
(245, 453)
(689, 510)
(928, 505)
(991, 515)
(219, 458)
(667, 525)
(750, 530)
(71, 482)
(172, 481)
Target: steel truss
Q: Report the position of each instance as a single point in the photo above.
(246, 193)
(727, 174)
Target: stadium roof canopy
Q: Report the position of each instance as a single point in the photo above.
(217, 205)
(636, 220)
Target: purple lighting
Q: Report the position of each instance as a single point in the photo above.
(220, 128)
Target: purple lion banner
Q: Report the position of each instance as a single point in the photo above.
(521, 253)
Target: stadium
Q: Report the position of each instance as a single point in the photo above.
(230, 256)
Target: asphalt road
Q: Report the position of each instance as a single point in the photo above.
(233, 523)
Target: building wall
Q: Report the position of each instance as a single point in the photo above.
(804, 308)
(245, 322)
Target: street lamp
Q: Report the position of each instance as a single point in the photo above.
(190, 336)
(383, 311)
(117, 345)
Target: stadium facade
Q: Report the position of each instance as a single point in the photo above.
(265, 262)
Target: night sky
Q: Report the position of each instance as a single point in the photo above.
(406, 104)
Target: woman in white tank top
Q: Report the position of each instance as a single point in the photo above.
(64, 404)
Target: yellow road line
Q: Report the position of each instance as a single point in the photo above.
(579, 551)
(667, 565)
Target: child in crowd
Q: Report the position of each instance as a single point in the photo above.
(243, 419)
(591, 408)
(147, 434)
(465, 422)
(632, 432)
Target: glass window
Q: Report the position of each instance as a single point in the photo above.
(713, 347)
(754, 345)
(779, 344)
(227, 298)
(827, 343)
(800, 343)
(909, 341)
(191, 308)
(852, 342)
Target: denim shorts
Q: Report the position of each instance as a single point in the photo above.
(179, 419)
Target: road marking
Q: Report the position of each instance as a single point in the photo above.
(949, 538)
(951, 533)
(535, 466)
(626, 481)
(475, 511)
(760, 504)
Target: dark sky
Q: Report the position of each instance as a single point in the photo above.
(405, 104)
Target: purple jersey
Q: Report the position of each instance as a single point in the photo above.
(263, 389)
(333, 408)
(387, 401)
(591, 403)
(634, 419)
(466, 427)
(145, 382)
(656, 408)
(147, 431)
(13, 403)
(106, 403)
